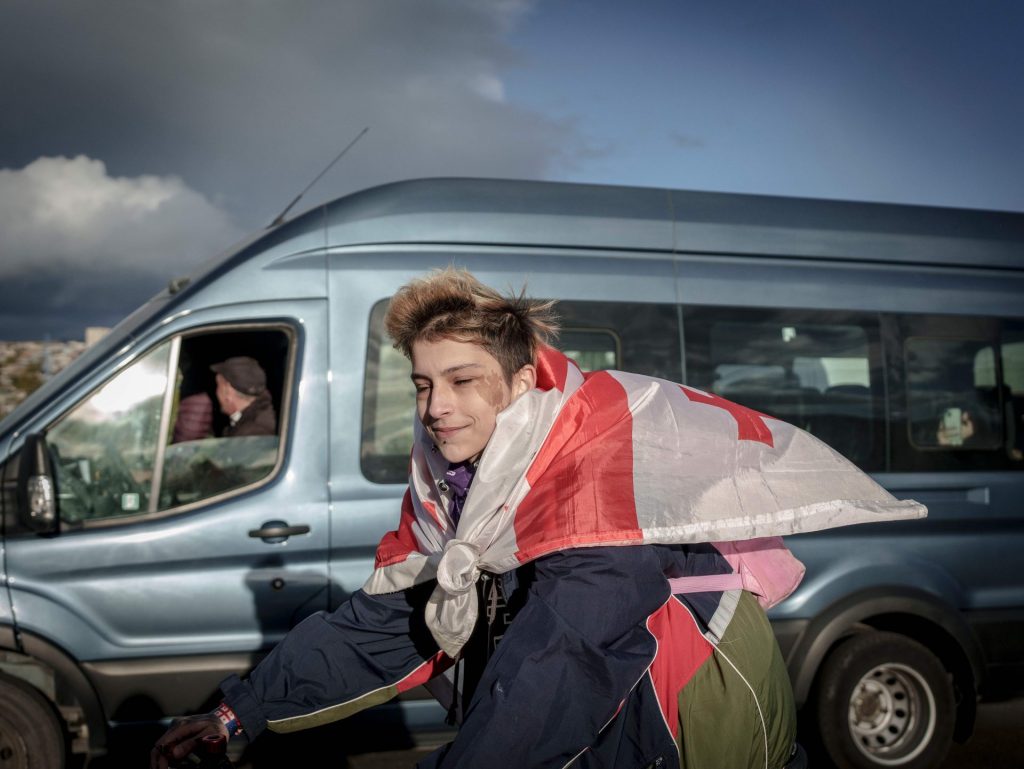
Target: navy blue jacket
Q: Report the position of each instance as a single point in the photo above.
(569, 683)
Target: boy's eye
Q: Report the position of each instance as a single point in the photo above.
(463, 381)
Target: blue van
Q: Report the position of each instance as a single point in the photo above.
(143, 562)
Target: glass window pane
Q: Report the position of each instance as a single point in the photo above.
(1012, 349)
(105, 447)
(204, 468)
(629, 336)
(222, 438)
(817, 370)
(389, 403)
(387, 424)
(593, 350)
(952, 400)
(1013, 361)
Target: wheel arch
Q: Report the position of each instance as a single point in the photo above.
(71, 687)
(913, 613)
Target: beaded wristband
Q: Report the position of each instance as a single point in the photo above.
(228, 718)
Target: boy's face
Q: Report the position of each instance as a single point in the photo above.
(460, 388)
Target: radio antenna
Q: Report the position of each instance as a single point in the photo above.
(281, 216)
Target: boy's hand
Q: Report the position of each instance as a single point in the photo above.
(182, 738)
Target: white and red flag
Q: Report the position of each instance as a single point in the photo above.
(613, 458)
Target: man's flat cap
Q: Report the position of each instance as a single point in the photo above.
(242, 373)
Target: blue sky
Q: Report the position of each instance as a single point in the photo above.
(140, 138)
(915, 102)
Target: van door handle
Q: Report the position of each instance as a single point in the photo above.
(278, 531)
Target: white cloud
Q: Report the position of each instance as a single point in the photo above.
(58, 213)
(249, 101)
(208, 119)
(490, 87)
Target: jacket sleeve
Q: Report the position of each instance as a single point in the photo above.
(330, 666)
(566, 664)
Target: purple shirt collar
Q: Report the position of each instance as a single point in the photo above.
(458, 477)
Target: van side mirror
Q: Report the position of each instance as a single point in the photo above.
(37, 494)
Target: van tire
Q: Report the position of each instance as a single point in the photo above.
(31, 735)
(884, 700)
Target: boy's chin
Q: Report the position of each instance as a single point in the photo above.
(454, 455)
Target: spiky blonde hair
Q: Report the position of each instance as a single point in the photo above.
(451, 303)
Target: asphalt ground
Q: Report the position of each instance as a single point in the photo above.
(998, 740)
(998, 743)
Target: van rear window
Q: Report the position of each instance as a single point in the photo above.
(952, 397)
(958, 394)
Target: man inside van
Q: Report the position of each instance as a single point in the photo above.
(243, 397)
(581, 643)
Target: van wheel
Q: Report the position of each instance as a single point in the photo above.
(31, 736)
(884, 700)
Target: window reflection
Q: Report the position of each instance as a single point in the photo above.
(811, 369)
(105, 448)
(952, 398)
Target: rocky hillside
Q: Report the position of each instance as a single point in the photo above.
(24, 366)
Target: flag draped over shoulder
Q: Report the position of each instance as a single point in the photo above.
(613, 458)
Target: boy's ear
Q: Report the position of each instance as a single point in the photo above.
(524, 380)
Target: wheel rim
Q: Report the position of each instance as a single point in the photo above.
(892, 714)
(13, 751)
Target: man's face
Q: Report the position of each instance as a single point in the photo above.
(460, 388)
(225, 395)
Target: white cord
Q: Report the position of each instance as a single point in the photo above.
(764, 726)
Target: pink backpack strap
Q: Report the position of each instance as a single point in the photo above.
(708, 583)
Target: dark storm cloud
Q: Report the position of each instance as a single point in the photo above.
(247, 101)
(199, 121)
(39, 305)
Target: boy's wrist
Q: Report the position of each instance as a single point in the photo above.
(228, 718)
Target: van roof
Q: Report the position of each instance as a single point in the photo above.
(555, 215)
(567, 216)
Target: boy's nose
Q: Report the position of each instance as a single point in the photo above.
(440, 402)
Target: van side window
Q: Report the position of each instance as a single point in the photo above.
(628, 336)
(593, 350)
(598, 335)
(215, 444)
(820, 371)
(1012, 348)
(389, 402)
(951, 404)
(158, 436)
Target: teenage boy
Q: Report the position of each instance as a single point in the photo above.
(574, 507)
